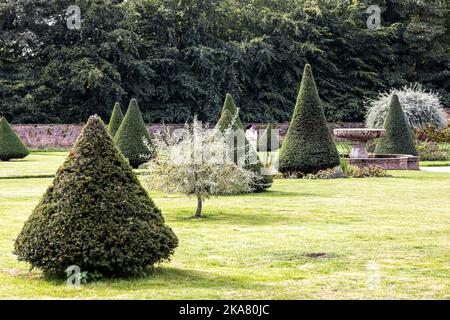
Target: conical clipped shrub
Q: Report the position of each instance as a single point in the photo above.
(129, 137)
(231, 107)
(308, 146)
(95, 215)
(398, 138)
(265, 140)
(229, 119)
(11, 147)
(115, 120)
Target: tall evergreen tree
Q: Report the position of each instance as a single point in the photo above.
(95, 215)
(308, 146)
(131, 134)
(11, 147)
(115, 120)
(398, 138)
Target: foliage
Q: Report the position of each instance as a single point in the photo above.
(421, 107)
(326, 174)
(308, 146)
(432, 151)
(398, 138)
(131, 135)
(179, 57)
(369, 172)
(115, 120)
(11, 147)
(430, 133)
(195, 162)
(95, 215)
(231, 126)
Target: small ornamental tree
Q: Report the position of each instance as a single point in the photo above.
(308, 146)
(95, 215)
(115, 120)
(131, 135)
(195, 162)
(398, 138)
(230, 122)
(11, 147)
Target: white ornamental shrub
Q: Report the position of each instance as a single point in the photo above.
(421, 107)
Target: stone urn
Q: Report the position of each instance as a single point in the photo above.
(359, 137)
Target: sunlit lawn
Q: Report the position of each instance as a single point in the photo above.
(303, 239)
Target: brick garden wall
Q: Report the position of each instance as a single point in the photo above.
(64, 135)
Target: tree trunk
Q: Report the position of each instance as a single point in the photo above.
(198, 213)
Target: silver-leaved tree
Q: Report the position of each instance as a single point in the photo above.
(198, 161)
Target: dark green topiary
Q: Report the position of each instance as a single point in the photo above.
(11, 147)
(95, 215)
(129, 137)
(231, 107)
(115, 120)
(398, 139)
(308, 146)
(229, 120)
(265, 140)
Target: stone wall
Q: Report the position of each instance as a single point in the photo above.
(64, 135)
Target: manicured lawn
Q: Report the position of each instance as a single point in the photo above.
(303, 239)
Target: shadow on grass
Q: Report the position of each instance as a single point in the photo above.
(157, 278)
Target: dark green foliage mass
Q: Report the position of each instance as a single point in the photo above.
(177, 57)
(398, 138)
(265, 139)
(228, 121)
(95, 215)
(11, 147)
(130, 137)
(115, 120)
(308, 146)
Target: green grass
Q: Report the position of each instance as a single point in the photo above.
(265, 246)
(434, 163)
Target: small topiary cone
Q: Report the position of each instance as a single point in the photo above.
(11, 147)
(95, 215)
(398, 139)
(129, 137)
(115, 120)
(230, 114)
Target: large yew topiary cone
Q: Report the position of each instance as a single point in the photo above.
(398, 139)
(115, 120)
(11, 147)
(129, 137)
(229, 119)
(308, 146)
(95, 215)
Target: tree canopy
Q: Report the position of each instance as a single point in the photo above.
(179, 57)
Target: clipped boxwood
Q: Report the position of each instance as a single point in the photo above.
(398, 138)
(131, 134)
(95, 215)
(11, 147)
(115, 120)
(229, 114)
(308, 146)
